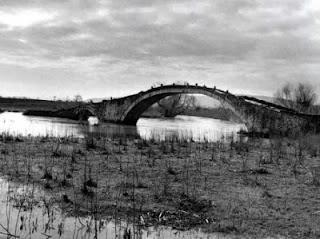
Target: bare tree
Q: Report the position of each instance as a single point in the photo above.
(285, 96)
(300, 97)
(305, 97)
(172, 106)
(78, 98)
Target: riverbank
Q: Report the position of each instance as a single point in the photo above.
(255, 188)
(72, 114)
(213, 113)
(43, 108)
(24, 104)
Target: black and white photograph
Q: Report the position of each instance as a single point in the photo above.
(160, 119)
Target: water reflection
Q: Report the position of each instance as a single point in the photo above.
(197, 128)
(27, 212)
(18, 124)
(188, 127)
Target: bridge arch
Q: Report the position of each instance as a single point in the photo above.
(145, 99)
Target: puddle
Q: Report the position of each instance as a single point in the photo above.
(27, 212)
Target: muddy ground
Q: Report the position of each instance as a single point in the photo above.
(256, 188)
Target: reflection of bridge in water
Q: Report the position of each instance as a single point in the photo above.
(258, 115)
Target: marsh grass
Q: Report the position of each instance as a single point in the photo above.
(226, 186)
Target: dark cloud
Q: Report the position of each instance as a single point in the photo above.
(145, 41)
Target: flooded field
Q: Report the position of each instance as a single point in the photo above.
(62, 179)
(136, 188)
(29, 212)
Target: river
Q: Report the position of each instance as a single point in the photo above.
(183, 127)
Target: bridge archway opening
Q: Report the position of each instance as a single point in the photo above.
(147, 99)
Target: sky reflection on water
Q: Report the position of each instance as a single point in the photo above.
(28, 212)
(197, 128)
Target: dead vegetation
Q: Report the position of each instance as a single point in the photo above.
(256, 187)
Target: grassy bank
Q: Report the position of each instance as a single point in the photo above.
(256, 188)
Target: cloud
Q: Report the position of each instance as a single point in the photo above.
(244, 44)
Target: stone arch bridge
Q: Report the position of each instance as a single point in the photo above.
(258, 115)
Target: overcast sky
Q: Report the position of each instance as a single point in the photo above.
(114, 48)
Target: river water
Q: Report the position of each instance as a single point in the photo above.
(183, 127)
